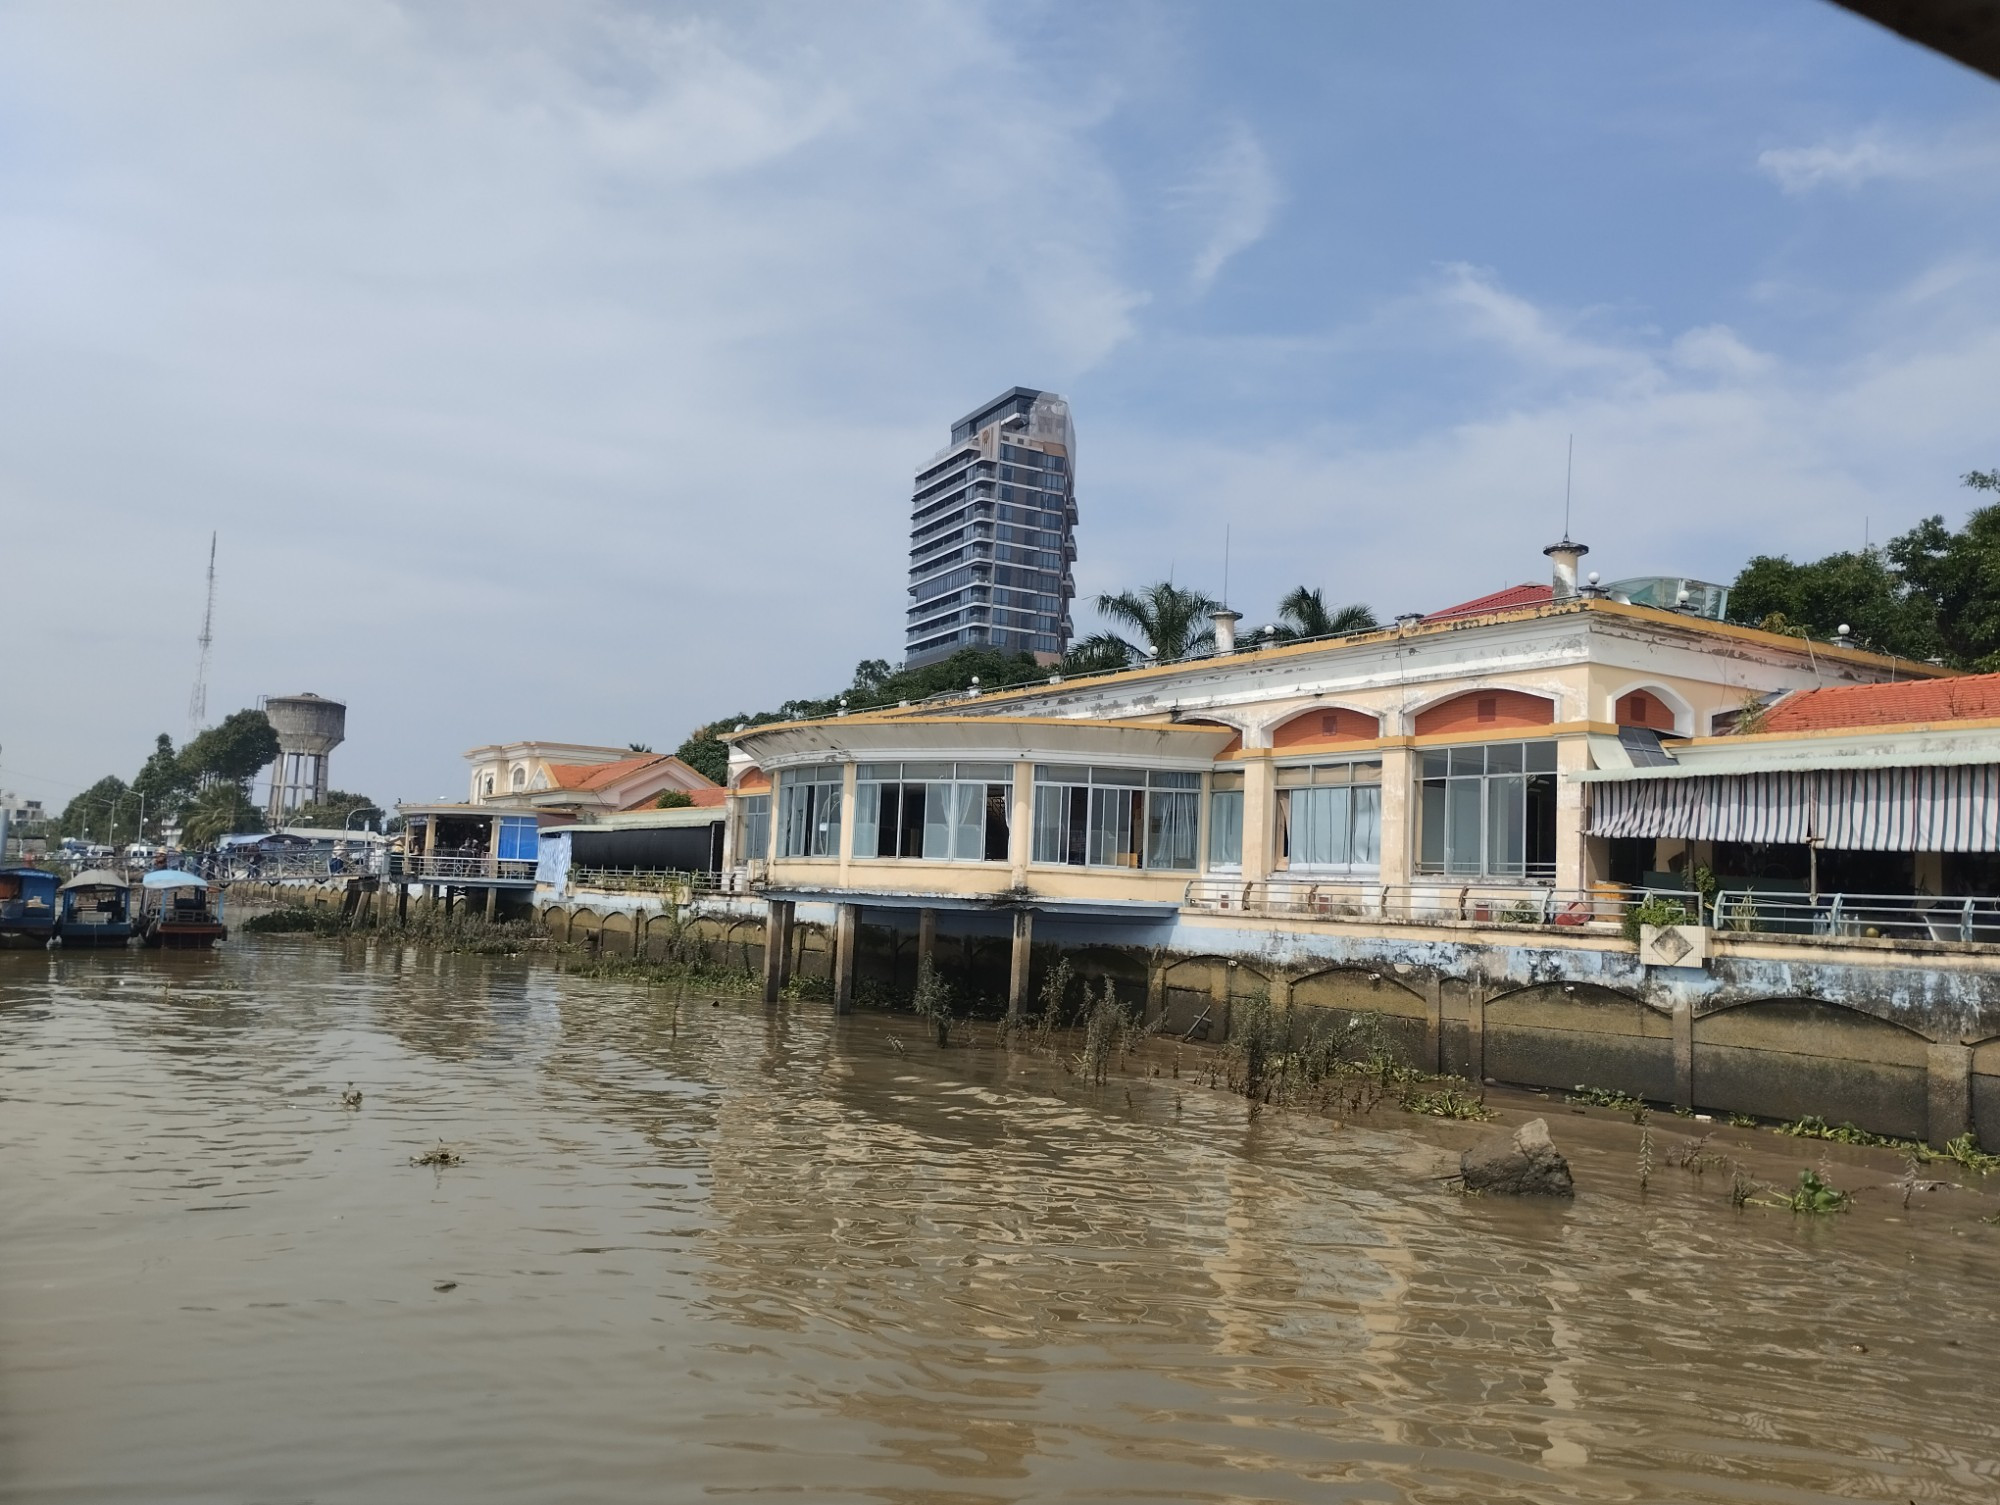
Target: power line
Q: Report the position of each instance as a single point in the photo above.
(198, 697)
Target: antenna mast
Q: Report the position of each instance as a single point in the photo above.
(1569, 474)
(198, 698)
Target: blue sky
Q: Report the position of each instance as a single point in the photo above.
(559, 371)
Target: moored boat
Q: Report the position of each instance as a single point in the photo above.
(27, 906)
(96, 910)
(175, 911)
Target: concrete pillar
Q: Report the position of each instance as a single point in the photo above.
(1572, 756)
(1156, 990)
(1221, 993)
(638, 933)
(1021, 825)
(1399, 816)
(1684, 1053)
(402, 902)
(777, 945)
(1017, 977)
(1950, 1091)
(848, 774)
(1434, 1025)
(845, 925)
(492, 903)
(926, 938)
(1260, 815)
(1475, 1031)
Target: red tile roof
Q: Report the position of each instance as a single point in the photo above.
(1513, 598)
(597, 775)
(1973, 697)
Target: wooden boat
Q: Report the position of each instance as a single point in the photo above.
(96, 910)
(27, 906)
(175, 911)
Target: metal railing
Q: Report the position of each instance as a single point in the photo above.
(472, 869)
(680, 886)
(1427, 903)
(1917, 917)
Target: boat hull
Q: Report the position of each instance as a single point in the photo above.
(91, 937)
(18, 935)
(189, 936)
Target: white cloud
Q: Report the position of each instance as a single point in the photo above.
(1234, 194)
(1694, 451)
(507, 347)
(1967, 159)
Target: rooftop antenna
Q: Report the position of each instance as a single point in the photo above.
(198, 697)
(1225, 564)
(1569, 474)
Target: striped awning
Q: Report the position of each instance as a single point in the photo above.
(1925, 809)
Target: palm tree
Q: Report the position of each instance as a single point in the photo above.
(1100, 653)
(1172, 622)
(1304, 615)
(219, 810)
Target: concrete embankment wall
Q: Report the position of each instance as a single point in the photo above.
(1893, 1037)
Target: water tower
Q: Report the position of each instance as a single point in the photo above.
(308, 728)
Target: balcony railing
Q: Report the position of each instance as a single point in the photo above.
(465, 869)
(1912, 917)
(666, 882)
(1425, 903)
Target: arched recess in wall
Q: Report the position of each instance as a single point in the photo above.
(1793, 1057)
(753, 781)
(1198, 993)
(1564, 1034)
(1653, 707)
(1986, 1093)
(1488, 710)
(1325, 726)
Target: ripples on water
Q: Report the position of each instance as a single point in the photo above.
(738, 1252)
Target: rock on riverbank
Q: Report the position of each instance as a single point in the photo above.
(1527, 1163)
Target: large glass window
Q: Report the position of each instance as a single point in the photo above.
(1330, 817)
(756, 827)
(1489, 811)
(1225, 821)
(940, 812)
(809, 811)
(1116, 817)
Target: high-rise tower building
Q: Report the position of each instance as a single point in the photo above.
(993, 533)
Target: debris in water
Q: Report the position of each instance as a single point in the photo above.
(351, 1098)
(898, 1044)
(444, 1154)
(445, 1285)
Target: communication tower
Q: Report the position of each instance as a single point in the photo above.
(309, 727)
(198, 699)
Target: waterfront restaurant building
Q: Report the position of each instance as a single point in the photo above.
(1447, 821)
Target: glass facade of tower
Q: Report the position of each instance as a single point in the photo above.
(993, 533)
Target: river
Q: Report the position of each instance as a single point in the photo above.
(717, 1251)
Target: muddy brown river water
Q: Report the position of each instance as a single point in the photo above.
(734, 1253)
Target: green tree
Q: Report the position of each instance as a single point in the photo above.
(674, 799)
(222, 809)
(1171, 622)
(233, 749)
(106, 807)
(1304, 614)
(163, 782)
(1861, 589)
(1099, 653)
(337, 809)
(1957, 576)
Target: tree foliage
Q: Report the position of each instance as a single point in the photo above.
(105, 806)
(233, 749)
(163, 781)
(1170, 620)
(1928, 593)
(1305, 614)
(337, 809)
(674, 799)
(222, 809)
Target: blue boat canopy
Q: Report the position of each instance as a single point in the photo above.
(171, 877)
